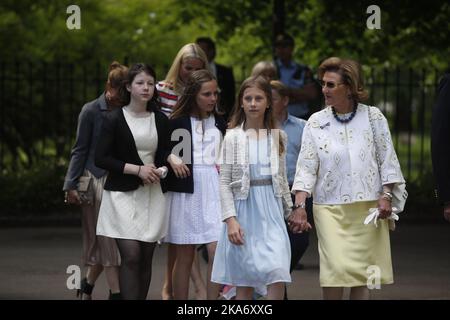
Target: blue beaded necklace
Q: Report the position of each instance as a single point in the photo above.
(345, 120)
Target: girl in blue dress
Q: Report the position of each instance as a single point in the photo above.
(253, 250)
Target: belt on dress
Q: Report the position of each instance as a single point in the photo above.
(260, 182)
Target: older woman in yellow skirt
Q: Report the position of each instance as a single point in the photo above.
(338, 165)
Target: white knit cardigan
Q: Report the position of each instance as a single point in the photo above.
(235, 170)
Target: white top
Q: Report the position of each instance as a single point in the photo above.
(206, 140)
(337, 162)
(138, 214)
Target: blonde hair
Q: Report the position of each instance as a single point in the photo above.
(188, 51)
(351, 74)
(263, 68)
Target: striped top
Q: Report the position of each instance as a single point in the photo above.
(167, 97)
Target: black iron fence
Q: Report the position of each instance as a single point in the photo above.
(40, 103)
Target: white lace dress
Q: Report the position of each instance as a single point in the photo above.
(196, 218)
(139, 214)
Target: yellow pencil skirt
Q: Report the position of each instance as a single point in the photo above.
(351, 253)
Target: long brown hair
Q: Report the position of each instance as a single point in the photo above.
(238, 114)
(187, 103)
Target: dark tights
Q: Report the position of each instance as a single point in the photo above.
(135, 269)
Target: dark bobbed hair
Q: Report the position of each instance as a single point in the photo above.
(136, 69)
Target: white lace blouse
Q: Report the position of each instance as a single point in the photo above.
(337, 163)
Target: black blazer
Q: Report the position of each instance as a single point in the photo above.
(440, 139)
(116, 146)
(225, 80)
(186, 185)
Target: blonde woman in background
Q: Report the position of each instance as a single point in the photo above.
(190, 58)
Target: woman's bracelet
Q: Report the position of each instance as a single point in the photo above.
(139, 171)
(387, 196)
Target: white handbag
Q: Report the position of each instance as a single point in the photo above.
(399, 193)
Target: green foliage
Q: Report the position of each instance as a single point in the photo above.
(36, 190)
(413, 33)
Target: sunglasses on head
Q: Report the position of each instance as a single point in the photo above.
(329, 85)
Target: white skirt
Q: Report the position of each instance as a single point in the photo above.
(136, 215)
(195, 218)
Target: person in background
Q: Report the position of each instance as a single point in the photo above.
(266, 69)
(304, 91)
(188, 59)
(293, 127)
(99, 253)
(223, 74)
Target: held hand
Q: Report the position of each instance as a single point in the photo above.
(179, 168)
(298, 221)
(72, 197)
(149, 174)
(447, 212)
(384, 208)
(235, 232)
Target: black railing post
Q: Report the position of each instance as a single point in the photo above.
(372, 85)
(31, 111)
(422, 124)
(2, 114)
(71, 113)
(45, 107)
(57, 105)
(397, 106)
(97, 78)
(14, 115)
(385, 88)
(409, 113)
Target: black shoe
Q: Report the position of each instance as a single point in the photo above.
(85, 288)
(114, 296)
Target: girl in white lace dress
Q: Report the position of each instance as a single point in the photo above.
(194, 203)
